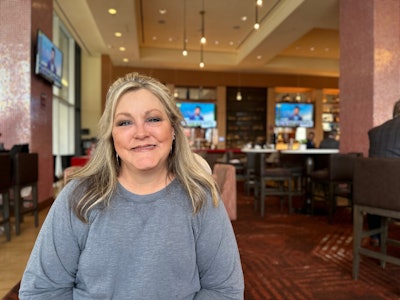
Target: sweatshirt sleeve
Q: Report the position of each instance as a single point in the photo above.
(52, 266)
(218, 260)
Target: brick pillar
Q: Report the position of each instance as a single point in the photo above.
(369, 79)
(24, 116)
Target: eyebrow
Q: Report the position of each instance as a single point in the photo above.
(126, 114)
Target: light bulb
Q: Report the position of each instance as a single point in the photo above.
(184, 52)
(239, 96)
(256, 26)
(201, 64)
(203, 40)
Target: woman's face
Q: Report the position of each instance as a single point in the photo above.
(142, 132)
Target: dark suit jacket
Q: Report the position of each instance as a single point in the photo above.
(329, 143)
(384, 140)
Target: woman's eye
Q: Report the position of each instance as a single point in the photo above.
(124, 123)
(152, 120)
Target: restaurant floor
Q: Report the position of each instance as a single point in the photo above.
(300, 256)
(284, 256)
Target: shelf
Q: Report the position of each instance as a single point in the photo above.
(246, 119)
(331, 112)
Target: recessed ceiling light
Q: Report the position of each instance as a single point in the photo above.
(259, 57)
(162, 11)
(312, 49)
(154, 38)
(216, 42)
(112, 11)
(231, 43)
(244, 18)
(122, 48)
(170, 39)
(118, 34)
(125, 60)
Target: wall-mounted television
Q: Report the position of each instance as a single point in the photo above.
(49, 60)
(198, 114)
(293, 114)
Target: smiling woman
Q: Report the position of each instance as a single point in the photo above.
(143, 206)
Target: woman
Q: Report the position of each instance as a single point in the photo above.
(143, 219)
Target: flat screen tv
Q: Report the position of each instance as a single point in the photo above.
(49, 60)
(198, 114)
(289, 114)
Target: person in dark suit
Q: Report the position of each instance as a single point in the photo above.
(384, 141)
(330, 142)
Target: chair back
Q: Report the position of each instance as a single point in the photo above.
(5, 171)
(259, 164)
(225, 176)
(25, 169)
(293, 161)
(250, 163)
(376, 182)
(341, 166)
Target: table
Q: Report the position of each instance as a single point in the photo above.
(253, 150)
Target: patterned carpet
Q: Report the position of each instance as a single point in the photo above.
(300, 256)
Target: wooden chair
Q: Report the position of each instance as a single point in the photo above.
(377, 192)
(271, 181)
(296, 165)
(25, 173)
(225, 176)
(249, 172)
(5, 185)
(335, 180)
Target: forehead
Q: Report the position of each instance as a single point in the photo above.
(138, 99)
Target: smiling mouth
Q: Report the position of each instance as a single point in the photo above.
(144, 147)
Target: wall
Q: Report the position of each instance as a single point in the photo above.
(26, 99)
(91, 94)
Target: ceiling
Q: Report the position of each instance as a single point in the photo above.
(295, 36)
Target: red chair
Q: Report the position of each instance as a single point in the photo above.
(225, 176)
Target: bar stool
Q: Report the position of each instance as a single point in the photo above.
(336, 180)
(25, 174)
(376, 191)
(5, 185)
(271, 181)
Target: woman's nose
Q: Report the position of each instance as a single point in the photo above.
(141, 130)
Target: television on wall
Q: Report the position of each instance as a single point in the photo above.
(198, 114)
(49, 60)
(293, 114)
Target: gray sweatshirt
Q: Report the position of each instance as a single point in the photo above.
(140, 247)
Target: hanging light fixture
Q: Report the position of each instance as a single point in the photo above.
(201, 57)
(184, 51)
(256, 24)
(239, 93)
(203, 37)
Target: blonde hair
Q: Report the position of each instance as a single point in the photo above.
(98, 179)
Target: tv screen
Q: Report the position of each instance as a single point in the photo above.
(198, 114)
(289, 114)
(49, 60)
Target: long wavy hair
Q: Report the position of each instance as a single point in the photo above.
(98, 178)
